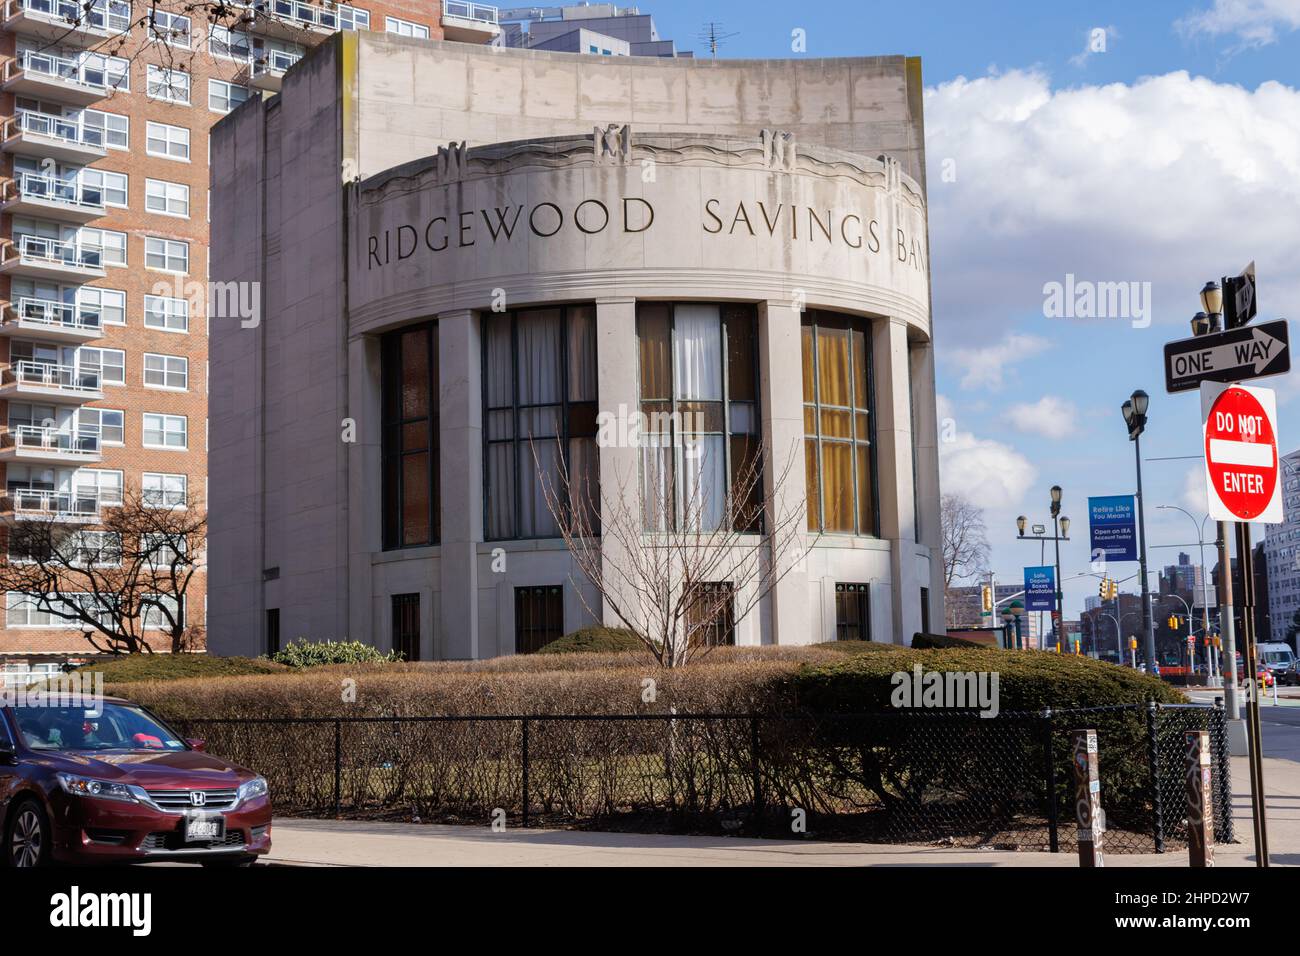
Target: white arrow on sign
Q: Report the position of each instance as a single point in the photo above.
(1257, 351)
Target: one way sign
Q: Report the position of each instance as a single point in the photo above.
(1236, 355)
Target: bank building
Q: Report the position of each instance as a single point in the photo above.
(500, 289)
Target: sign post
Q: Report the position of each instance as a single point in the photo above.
(1087, 797)
(1200, 804)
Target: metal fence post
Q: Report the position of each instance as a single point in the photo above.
(1049, 778)
(1223, 824)
(756, 773)
(1153, 758)
(524, 788)
(338, 767)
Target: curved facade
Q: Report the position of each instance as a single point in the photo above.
(757, 283)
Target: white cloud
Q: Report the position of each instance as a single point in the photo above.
(984, 366)
(1194, 492)
(1050, 416)
(1254, 23)
(989, 473)
(1122, 182)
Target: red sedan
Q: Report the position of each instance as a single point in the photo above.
(114, 784)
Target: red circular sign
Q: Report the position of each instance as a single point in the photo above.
(1241, 453)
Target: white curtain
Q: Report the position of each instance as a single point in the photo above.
(656, 481)
(701, 485)
(539, 357)
(582, 354)
(697, 353)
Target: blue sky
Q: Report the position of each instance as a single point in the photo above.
(1170, 158)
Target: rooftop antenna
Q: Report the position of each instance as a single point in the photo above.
(712, 35)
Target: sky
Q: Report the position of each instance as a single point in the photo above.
(1154, 144)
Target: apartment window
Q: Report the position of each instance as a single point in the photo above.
(172, 86)
(170, 142)
(539, 617)
(167, 314)
(168, 199)
(114, 130)
(109, 363)
(27, 415)
(115, 70)
(353, 18)
(839, 431)
(224, 97)
(169, 255)
(711, 615)
(161, 490)
(700, 465)
(159, 611)
(99, 483)
(27, 610)
(272, 631)
(169, 28)
(539, 373)
(223, 41)
(406, 626)
(405, 28)
(111, 245)
(108, 423)
(110, 304)
(166, 371)
(852, 612)
(112, 186)
(410, 493)
(165, 431)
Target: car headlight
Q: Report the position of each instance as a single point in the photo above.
(253, 788)
(98, 789)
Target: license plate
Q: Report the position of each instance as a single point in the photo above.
(204, 829)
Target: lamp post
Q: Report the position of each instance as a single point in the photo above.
(1061, 524)
(1135, 417)
(1205, 582)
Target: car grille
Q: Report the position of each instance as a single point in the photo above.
(179, 800)
(174, 840)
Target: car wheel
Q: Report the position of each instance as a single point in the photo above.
(27, 838)
(226, 862)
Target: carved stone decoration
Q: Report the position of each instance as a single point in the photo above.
(893, 174)
(452, 161)
(778, 149)
(613, 144)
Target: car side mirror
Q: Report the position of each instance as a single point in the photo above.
(8, 753)
(197, 743)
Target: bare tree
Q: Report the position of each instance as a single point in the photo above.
(965, 543)
(126, 576)
(674, 566)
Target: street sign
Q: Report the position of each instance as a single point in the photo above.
(1112, 526)
(1236, 355)
(1239, 302)
(1040, 588)
(1239, 425)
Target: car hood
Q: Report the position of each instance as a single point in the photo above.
(188, 769)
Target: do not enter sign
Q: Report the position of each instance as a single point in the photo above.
(1241, 464)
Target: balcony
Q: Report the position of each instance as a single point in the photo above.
(48, 446)
(266, 71)
(46, 136)
(49, 197)
(58, 78)
(29, 379)
(60, 507)
(68, 22)
(291, 20)
(36, 257)
(469, 22)
(48, 319)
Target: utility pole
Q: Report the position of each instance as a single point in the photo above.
(712, 35)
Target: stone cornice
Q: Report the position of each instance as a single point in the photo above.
(772, 152)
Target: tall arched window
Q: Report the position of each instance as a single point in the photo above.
(409, 384)
(839, 427)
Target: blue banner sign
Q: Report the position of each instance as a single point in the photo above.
(1112, 521)
(1040, 589)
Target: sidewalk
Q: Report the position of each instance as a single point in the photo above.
(355, 843)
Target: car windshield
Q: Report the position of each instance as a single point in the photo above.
(1277, 657)
(113, 727)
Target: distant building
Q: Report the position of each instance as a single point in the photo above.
(964, 607)
(600, 29)
(1282, 555)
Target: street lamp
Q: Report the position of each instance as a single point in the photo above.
(1020, 524)
(1135, 417)
(1059, 624)
(1212, 303)
(1205, 577)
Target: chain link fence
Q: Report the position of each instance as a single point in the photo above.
(906, 776)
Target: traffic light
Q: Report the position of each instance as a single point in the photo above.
(1173, 622)
(1103, 588)
(986, 598)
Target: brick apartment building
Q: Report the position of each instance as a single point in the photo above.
(106, 108)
